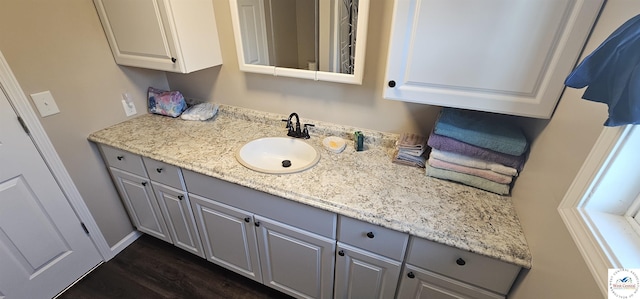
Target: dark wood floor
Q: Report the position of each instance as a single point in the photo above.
(151, 268)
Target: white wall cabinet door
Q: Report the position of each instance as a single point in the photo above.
(504, 56)
(228, 236)
(175, 36)
(362, 274)
(176, 210)
(141, 203)
(295, 261)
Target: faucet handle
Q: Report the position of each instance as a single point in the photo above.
(305, 132)
(288, 123)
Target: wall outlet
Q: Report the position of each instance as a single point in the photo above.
(45, 103)
(128, 105)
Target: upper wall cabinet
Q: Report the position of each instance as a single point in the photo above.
(169, 35)
(503, 56)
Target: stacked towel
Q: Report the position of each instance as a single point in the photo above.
(476, 149)
(410, 149)
(481, 130)
(447, 144)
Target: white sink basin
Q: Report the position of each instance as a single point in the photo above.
(270, 155)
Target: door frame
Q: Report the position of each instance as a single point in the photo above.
(20, 103)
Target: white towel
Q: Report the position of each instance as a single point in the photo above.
(202, 111)
(472, 162)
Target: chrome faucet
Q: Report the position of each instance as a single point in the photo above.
(297, 132)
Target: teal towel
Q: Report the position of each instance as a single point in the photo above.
(468, 179)
(482, 130)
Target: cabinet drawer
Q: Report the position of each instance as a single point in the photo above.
(419, 283)
(287, 211)
(123, 160)
(462, 265)
(163, 173)
(373, 238)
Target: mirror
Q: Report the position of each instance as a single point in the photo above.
(310, 39)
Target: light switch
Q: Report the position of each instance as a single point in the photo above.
(45, 103)
(128, 105)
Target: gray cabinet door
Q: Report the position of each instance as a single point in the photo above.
(295, 261)
(176, 210)
(362, 274)
(141, 203)
(419, 283)
(228, 236)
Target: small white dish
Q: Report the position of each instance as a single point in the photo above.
(334, 144)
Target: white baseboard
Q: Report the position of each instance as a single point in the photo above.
(122, 244)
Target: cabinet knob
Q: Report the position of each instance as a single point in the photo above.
(370, 235)
(144, 183)
(180, 197)
(120, 158)
(247, 219)
(257, 223)
(411, 275)
(392, 84)
(173, 59)
(159, 170)
(460, 262)
(341, 253)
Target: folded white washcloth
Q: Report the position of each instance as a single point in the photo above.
(202, 111)
(472, 162)
(410, 141)
(407, 159)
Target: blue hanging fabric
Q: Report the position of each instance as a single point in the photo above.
(612, 74)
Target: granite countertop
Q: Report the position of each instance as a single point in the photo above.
(363, 185)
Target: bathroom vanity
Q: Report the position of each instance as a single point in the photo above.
(354, 225)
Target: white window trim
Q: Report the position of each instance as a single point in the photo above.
(598, 205)
(634, 214)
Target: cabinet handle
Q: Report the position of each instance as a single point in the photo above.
(460, 262)
(411, 275)
(180, 197)
(341, 253)
(392, 84)
(247, 219)
(257, 223)
(159, 170)
(173, 59)
(144, 183)
(370, 235)
(120, 158)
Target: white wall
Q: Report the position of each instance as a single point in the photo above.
(559, 270)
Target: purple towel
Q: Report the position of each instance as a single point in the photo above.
(444, 143)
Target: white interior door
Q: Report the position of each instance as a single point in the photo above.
(43, 247)
(254, 31)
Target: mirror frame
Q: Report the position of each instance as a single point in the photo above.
(355, 78)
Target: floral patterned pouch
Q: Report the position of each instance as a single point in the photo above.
(170, 103)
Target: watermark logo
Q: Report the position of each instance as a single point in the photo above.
(624, 283)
